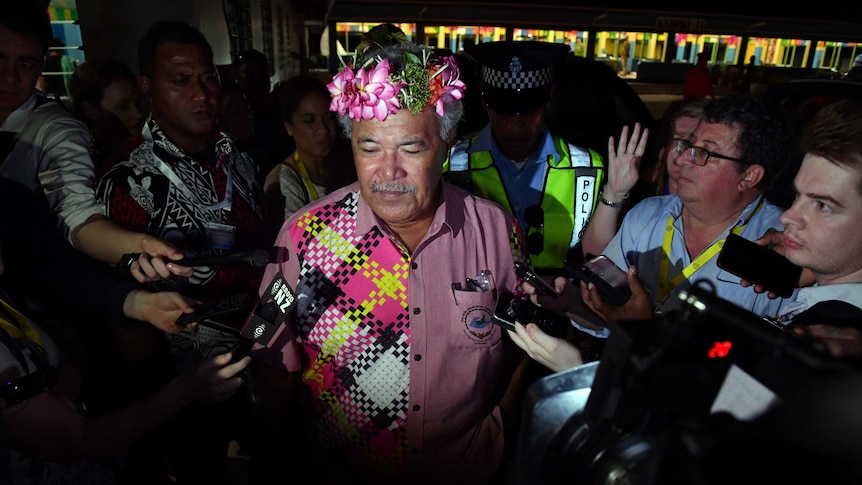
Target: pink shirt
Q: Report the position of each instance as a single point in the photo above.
(404, 368)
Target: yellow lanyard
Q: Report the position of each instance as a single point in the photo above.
(312, 192)
(17, 325)
(667, 285)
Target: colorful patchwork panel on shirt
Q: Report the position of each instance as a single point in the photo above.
(354, 326)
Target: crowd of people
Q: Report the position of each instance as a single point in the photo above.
(395, 236)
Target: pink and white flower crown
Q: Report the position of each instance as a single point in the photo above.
(374, 91)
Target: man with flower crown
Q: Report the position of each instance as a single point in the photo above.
(396, 277)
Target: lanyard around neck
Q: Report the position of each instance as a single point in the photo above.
(303, 172)
(169, 172)
(18, 334)
(16, 324)
(668, 284)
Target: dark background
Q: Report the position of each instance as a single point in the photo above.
(827, 10)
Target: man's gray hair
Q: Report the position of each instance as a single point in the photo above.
(452, 108)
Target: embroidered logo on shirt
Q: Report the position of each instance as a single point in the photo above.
(477, 323)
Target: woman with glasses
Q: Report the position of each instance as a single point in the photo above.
(659, 175)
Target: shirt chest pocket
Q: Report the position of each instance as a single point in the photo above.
(472, 312)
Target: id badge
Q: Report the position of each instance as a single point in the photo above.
(220, 236)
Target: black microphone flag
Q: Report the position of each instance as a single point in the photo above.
(270, 311)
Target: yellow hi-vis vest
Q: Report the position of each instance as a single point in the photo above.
(568, 199)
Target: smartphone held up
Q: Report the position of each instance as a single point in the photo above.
(610, 280)
(759, 265)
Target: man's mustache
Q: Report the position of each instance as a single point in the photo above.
(392, 187)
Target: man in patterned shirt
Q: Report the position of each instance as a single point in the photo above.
(188, 184)
(396, 279)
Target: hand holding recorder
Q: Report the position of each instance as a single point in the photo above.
(511, 310)
(541, 285)
(638, 306)
(610, 280)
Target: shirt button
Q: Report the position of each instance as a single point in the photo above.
(417, 311)
(416, 407)
(417, 357)
(414, 265)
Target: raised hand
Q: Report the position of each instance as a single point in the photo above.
(624, 159)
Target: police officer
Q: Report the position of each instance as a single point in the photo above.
(550, 185)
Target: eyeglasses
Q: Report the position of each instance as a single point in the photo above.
(534, 216)
(699, 155)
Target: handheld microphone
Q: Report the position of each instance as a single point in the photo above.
(270, 311)
(258, 257)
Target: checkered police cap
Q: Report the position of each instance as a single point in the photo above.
(515, 78)
(517, 65)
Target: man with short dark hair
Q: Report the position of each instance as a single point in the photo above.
(187, 183)
(252, 73)
(46, 148)
(725, 166)
(822, 230)
(671, 242)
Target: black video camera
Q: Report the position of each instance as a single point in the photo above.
(660, 380)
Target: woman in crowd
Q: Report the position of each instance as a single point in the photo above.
(105, 96)
(660, 174)
(322, 161)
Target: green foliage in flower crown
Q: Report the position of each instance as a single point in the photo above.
(374, 91)
(416, 93)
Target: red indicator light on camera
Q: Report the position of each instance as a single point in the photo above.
(720, 350)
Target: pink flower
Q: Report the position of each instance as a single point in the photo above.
(378, 96)
(343, 90)
(374, 92)
(445, 83)
(365, 94)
